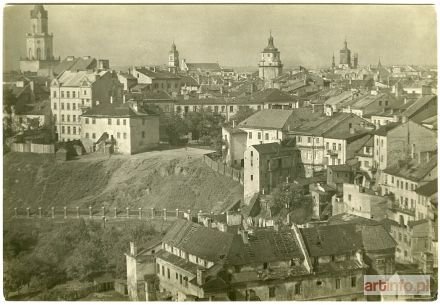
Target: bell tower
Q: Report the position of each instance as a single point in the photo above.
(270, 65)
(39, 43)
(173, 59)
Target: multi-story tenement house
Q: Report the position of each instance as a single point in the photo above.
(330, 140)
(400, 141)
(370, 104)
(401, 181)
(427, 200)
(73, 92)
(267, 165)
(157, 80)
(119, 127)
(322, 263)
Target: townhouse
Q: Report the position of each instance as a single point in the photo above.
(157, 80)
(72, 93)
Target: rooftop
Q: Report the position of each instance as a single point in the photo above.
(122, 110)
(428, 189)
(413, 170)
(268, 118)
(274, 148)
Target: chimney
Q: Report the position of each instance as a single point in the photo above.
(245, 236)
(133, 249)
(201, 276)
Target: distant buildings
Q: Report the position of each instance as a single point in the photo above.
(39, 45)
(345, 59)
(173, 59)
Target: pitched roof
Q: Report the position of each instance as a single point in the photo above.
(267, 118)
(122, 110)
(383, 131)
(76, 79)
(157, 74)
(332, 239)
(334, 100)
(376, 238)
(274, 148)
(206, 243)
(428, 189)
(412, 170)
(268, 96)
(71, 63)
(418, 104)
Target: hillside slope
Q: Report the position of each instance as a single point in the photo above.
(159, 181)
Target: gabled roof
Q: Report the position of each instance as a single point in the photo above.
(274, 148)
(418, 104)
(74, 64)
(383, 131)
(157, 74)
(334, 100)
(77, 79)
(267, 118)
(332, 239)
(122, 110)
(206, 243)
(376, 238)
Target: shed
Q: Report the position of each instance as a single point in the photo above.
(61, 154)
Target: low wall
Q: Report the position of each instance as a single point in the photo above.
(33, 148)
(224, 169)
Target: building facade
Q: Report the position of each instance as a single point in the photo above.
(270, 65)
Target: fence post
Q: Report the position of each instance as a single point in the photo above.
(39, 212)
(53, 212)
(90, 211)
(165, 214)
(65, 212)
(116, 213)
(177, 213)
(15, 212)
(140, 213)
(128, 212)
(189, 215)
(28, 212)
(77, 212)
(152, 213)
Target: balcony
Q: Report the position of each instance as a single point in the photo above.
(397, 207)
(332, 152)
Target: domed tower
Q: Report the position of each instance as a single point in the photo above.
(270, 65)
(173, 59)
(39, 45)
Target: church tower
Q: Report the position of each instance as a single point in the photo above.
(39, 44)
(345, 56)
(173, 59)
(270, 65)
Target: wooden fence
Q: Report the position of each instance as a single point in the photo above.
(224, 169)
(33, 148)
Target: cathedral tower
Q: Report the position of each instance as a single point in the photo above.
(345, 56)
(173, 59)
(270, 65)
(39, 46)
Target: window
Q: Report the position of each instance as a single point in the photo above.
(68, 118)
(62, 106)
(93, 121)
(326, 145)
(62, 129)
(87, 120)
(250, 135)
(74, 130)
(93, 136)
(109, 121)
(54, 94)
(125, 135)
(158, 268)
(143, 134)
(55, 118)
(68, 129)
(406, 185)
(168, 273)
(231, 108)
(299, 139)
(163, 270)
(124, 122)
(349, 197)
(266, 136)
(338, 283)
(334, 146)
(68, 94)
(55, 106)
(271, 292)
(82, 102)
(339, 146)
(180, 279)
(353, 281)
(259, 136)
(87, 135)
(317, 140)
(85, 92)
(264, 266)
(62, 118)
(252, 177)
(62, 94)
(309, 139)
(73, 106)
(74, 94)
(177, 276)
(298, 288)
(118, 122)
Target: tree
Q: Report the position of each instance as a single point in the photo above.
(242, 114)
(176, 128)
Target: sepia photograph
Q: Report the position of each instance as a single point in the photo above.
(219, 152)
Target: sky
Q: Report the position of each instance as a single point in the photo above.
(233, 35)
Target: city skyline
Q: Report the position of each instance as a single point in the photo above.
(305, 34)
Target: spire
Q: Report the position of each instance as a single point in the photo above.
(173, 46)
(38, 11)
(333, 60)
(379, 64)
(345, 42)
(270, 44)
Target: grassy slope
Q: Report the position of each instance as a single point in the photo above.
(32, 180)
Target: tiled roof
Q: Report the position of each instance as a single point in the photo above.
(334, 100)
(412, 170)
(428, 189)
(76, 79)
(73, 64)
(376, 238)
(198, 240)
(346, 218)
(157, 74)
(418, 104)
(177, 261)
(267, 118)
(332, 240)
(338, 267)
(112, 110)
(268, 96)
(274, 148)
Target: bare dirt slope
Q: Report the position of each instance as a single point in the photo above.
(158, 179)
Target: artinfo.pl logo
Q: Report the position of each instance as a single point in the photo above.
(397, 285)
